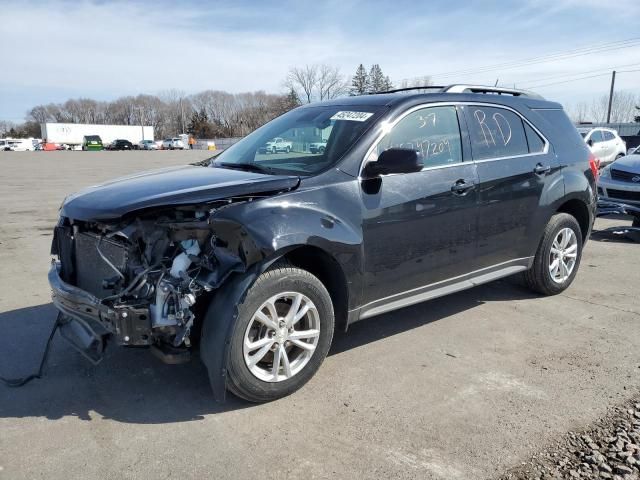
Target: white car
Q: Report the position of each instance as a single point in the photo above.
(604, 143)
(17, 144)
(173, 144)
(278, 145)
(620, 181)
(147, 145)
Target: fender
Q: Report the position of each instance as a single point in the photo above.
(266, 229)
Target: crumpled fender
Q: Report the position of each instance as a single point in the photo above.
(220, 318)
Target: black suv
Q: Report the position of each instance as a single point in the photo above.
(256, 259)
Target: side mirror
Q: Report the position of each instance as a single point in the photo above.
(394, 160)
(590, 142)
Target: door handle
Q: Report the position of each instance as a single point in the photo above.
(462, 187)
(540, 169)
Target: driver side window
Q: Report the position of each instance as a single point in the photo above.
(434, 132)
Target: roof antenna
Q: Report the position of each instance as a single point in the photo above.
(496, 84)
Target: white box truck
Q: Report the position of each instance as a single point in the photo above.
(72, 134)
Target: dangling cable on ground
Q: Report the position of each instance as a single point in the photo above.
(19, 382)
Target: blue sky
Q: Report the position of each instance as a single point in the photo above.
(62, 49)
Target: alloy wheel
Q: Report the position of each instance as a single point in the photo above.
(281, 337)
(563, 255)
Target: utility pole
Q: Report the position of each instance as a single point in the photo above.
(613, 82)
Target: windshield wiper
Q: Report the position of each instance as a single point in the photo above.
(250, 167)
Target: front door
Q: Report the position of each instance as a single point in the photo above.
(420, 228)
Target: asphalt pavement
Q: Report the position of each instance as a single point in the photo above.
(462, 387)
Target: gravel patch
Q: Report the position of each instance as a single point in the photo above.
(609, 449)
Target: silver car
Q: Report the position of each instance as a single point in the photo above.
(147, 145)
(620, 181)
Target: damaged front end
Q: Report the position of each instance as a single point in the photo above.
(138, 280)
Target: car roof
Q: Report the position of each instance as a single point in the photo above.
(395, 99)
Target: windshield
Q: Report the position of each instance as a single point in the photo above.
(284, 145)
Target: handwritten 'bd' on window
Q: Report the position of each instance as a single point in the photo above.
(501, 128)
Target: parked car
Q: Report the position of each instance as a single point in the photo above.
(92, 142)
(276, 145)
(120, 144)
(259, 259)
(147, 145)
(318, 147)
(17, 144)
(620, 181)
(6, 145)
(604, 143)
(173, 144)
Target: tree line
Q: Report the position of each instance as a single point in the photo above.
(207, 114)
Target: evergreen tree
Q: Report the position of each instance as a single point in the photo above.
(388, 85)
(359, 82)
(292, 100)
(376, 79)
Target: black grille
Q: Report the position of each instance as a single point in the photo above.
(91, 269)
(623, 195)
(623, 176)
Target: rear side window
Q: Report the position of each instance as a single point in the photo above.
(596, 136)
(496, 133)
(608, 136)
(432, 131)
(536, 143)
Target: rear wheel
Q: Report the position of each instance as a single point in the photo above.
(282, 335)
(558, 257)
(636, 222)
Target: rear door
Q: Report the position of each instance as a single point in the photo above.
(420, 228)
(610, 145)
(596, 144)
(515, 168)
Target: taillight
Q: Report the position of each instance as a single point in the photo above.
(594, 164)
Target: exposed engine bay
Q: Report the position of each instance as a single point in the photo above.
(146, 275)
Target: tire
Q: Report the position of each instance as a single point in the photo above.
(274, 151)
(620, 155)
(539, 277)
(243, 381)
(288, 149)
(321, 150)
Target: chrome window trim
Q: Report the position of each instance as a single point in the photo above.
(422, 106)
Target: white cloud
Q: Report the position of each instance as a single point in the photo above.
(127, 48)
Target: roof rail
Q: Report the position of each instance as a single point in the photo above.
(407, 89)
(461, 88)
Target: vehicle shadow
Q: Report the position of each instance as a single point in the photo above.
(132, 386)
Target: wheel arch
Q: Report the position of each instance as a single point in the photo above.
(327, 269)
(579, 210)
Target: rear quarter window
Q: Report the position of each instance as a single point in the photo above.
(496, 133)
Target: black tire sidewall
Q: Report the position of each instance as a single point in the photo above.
(242, 382)
(558, 222)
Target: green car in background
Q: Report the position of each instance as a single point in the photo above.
(92, 142)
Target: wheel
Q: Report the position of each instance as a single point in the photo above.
(558, 257)
(321, 150)
(282, 334)
(288, 149)
(620, 155)
(274, 150)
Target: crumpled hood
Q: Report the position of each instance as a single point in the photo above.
(169, 186)
(629, 163)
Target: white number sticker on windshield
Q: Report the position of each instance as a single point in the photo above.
(352, 116)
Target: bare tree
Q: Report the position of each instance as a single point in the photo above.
(303, 80)
(331, 83)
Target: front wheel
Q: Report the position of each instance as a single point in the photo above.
(282, 334)
(558, 257)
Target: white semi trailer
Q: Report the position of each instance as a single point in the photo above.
(72, 133)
